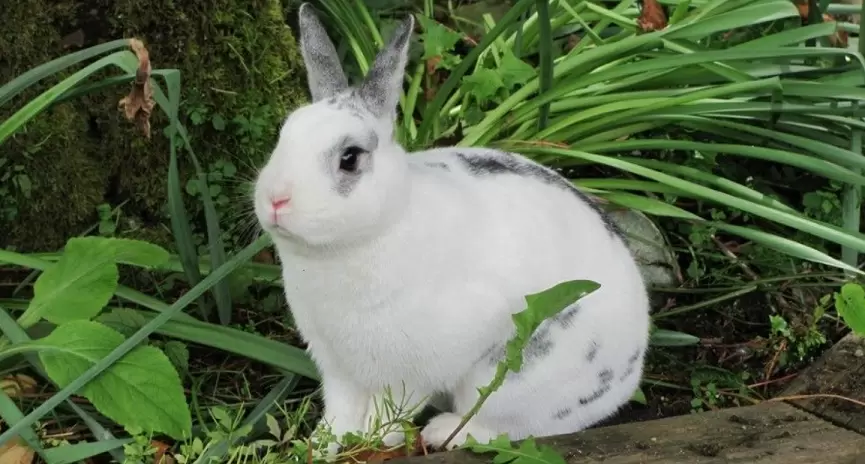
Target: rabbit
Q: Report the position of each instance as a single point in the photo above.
(402, 270)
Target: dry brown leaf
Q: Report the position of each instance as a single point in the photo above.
(264, 256)
(139, 103)
(803, 7)
(573, 41)
(375, 456)
(15, 451)
(161, 456)
(431, 64)
(839, 38)
(652, 16)
(17, 384)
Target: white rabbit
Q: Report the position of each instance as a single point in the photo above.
(402, 270)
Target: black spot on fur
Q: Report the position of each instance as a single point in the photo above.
(564, 318)
(593, 351)
(508, 163)
(605, 378)
(493, 354)
(562, 413)
(632, 366)
(539, 345)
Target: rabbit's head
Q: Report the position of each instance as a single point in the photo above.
(336, 173)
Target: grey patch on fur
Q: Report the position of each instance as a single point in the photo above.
(632, 366)
(564, 318)
(324, 71)
(438, 165)
(346, 181)
(593, 351)
(508, 163)
(350, 102)
(562, 413)
(605, 378)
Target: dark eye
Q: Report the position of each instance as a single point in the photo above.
(348, 160)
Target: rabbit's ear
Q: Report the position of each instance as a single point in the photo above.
(323, 71)
(381, 88)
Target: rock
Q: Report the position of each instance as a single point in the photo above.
(657, 260)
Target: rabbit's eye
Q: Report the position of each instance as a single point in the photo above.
(348, 160)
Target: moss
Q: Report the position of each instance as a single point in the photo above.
(241, 73)
(53, 148)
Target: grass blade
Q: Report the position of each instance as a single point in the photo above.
(546, 55)
(68, 454)
(282, 389)
(12, 88)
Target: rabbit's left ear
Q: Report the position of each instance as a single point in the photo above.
(381, 88)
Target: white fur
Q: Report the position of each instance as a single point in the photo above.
(411, 278)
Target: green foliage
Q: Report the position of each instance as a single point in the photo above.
(609, 96)
(850, 302)
(141, 390)
(85, 278)
(527, 452)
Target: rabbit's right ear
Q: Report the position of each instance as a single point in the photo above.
(323, 71)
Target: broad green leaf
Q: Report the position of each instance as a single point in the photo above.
(639, 396)
(77, 286)
(141, 389)
(484, 83)
(178, 354)
(507, 452)
(127, 251)
(514, 71)
(437, 39)
(850, 303)
(124, 320)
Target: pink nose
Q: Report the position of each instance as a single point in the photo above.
(279, 203)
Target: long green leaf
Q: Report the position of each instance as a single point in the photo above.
(12, 88)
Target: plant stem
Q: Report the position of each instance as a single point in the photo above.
(485, 392)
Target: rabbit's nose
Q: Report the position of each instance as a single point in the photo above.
(279, 203)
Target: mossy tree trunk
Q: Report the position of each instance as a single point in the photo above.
(241, 73)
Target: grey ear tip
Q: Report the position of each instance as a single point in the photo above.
(406, 26)
(306, 12)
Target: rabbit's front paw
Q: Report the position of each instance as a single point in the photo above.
(440, 428)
